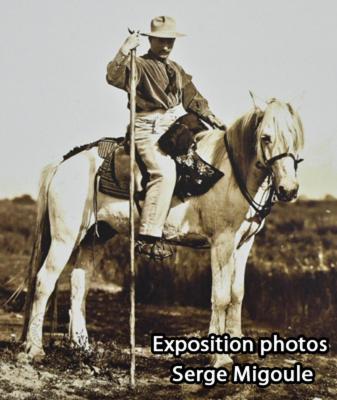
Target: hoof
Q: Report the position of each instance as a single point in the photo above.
(222, 361)
(22, 358)
(84, 346)
(39, 357)
(35, 353)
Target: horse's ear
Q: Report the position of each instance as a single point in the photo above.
(259, 104)
(297, 101)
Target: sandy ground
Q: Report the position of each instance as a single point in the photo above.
(104, 374)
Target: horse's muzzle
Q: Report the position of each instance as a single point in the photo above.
(287, 194)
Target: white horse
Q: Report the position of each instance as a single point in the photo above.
(262, 146)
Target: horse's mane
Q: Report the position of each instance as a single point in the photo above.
(245, 132)
(241, 136)
(287, 123)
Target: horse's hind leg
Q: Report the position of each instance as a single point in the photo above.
(58, 255)
(90, 254)
(69, 201)
(80, 283)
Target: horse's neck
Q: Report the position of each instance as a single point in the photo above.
(242, 140)
(211, 148)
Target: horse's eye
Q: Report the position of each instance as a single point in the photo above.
(266, 139)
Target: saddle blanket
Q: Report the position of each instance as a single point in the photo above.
(194, 175)
(108, 183)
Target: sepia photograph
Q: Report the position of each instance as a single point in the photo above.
(168, 200)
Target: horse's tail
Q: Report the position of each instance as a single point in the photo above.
(42, 241)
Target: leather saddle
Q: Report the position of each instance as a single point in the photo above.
(194, 175)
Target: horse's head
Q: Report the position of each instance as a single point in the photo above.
(279, 138)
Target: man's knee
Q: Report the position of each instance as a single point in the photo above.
(164, 177)
(165, 172)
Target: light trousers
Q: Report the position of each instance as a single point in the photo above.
(160, 167)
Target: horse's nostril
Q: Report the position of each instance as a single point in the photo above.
(282, 190)
(287, 194)
(293, 193)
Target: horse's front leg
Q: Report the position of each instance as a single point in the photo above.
(234, 319)
(222, 273)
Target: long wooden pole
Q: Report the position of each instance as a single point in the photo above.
(133, 81)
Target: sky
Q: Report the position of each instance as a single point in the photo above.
(54, 54)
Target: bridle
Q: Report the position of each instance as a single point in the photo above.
(267, 164)
(262, 210)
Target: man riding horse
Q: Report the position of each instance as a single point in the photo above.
(164, 90)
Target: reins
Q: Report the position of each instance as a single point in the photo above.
(262, 210)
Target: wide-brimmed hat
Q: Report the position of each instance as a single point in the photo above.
(163, 27)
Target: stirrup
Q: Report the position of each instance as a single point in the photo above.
(157, 251)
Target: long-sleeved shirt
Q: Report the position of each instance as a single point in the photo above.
(160, 85)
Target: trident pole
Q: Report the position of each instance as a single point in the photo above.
(133, 82)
